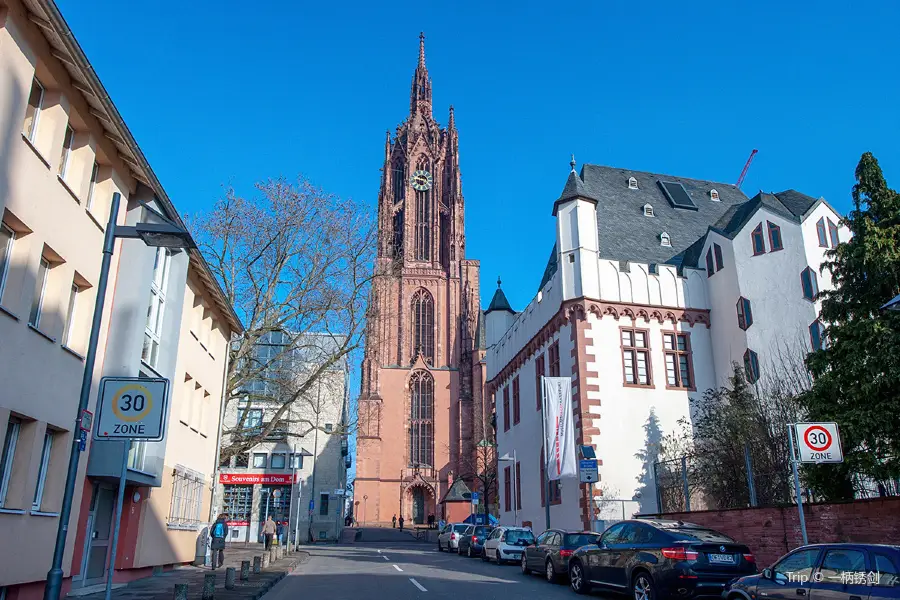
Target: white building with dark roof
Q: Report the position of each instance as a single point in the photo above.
(656, 285)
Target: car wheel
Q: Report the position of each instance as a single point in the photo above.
(440, 548)
(642, 587)
(525, 569)
(469, 551)
(484, 555)
(550, 572)
(577, 579)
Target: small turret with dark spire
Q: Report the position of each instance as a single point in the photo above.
(499, 301)
(420, 96)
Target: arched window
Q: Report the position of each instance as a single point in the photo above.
(664, 239)
(422, 326)
(421, 420)
(423, 217)
(632, 183)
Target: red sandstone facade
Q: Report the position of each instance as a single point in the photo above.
(422, 374)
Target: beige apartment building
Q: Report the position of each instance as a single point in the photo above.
(64, 151)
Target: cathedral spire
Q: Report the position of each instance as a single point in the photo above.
(420, 95)
(451, 124)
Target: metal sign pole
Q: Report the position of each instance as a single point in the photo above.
(120, 496)
(546, 482)
(797, 485)
(590, 506)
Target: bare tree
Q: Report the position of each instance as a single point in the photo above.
(481, 468)
(297, 265)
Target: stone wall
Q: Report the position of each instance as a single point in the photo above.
(771, 532)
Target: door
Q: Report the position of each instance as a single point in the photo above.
(791, 576)
(103, 503)
(534, 554)
(842, 576)
(606, 554)
(418, 506)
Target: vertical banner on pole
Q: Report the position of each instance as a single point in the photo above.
(559, 432)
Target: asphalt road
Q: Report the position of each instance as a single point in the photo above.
(390, 571)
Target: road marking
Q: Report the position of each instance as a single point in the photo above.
(418, 585)
(385, 557)
(398, 568)
(379, 552)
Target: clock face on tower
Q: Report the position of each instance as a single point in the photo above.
(421, 180)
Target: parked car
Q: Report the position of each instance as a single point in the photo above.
(472, 541)
(650, 560)
(551, 552)
(450, 535)
(825, 571)
(507, 544)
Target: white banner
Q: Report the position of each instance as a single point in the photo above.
(559, 432)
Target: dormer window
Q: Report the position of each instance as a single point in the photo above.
(664, 239)
(654, 269)
(632, 183)
(648, 210)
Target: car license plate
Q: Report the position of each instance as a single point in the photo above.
(722, 559)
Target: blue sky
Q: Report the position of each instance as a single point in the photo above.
(228, 92)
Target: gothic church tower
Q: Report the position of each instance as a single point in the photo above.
(422, 363)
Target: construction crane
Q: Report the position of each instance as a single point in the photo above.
(746, 167)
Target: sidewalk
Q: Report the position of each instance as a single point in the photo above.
(162, 586)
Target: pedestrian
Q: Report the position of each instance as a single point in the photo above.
(279, 530)
(394, 522)
(217, 544)
(430, 521)
(269, 532)
(401, 522)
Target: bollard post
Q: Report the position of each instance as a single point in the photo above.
(272, 557)
(257, 564)
(229, 578)
(265, 559)
(181, 591)
(209, 586)
(245, 570)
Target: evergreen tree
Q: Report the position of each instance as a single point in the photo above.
(857, 377)
(649, 456)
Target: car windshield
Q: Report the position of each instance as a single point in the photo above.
(703, 535)
(459, 528)
(519, 538)
(482, 530)
(580, 539)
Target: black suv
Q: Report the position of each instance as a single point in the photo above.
(650, 559)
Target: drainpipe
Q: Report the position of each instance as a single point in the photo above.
(215, 469)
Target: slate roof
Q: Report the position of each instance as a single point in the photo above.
(499, 302)
(626, 234)
(458, 492)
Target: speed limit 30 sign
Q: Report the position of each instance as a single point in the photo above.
(819, 443)
(132, 408)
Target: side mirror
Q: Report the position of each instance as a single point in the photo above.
(767, 573)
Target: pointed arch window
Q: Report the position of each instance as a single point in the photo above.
(423, 326)
(809, 284)
(632, 183)
(423, 217)
(759, 242)
(665, 240)
(421, 420)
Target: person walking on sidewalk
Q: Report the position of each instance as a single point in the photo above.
(217, 544)
(401, 522)
(394, 522)
(269, 532)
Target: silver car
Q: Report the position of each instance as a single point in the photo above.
(450, 535)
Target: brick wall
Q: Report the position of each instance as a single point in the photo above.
(771, 532)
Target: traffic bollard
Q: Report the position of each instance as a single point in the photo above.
(209, 586)
(245, 570)
(229, 578)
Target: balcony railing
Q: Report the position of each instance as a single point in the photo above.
(426, 472)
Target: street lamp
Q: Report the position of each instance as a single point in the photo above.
(507, 458)
(166, 234)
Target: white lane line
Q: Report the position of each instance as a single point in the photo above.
(385, 557)
(418, 585)
(379, 552)
(398, 568)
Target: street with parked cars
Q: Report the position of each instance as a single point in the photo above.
(657, 559)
